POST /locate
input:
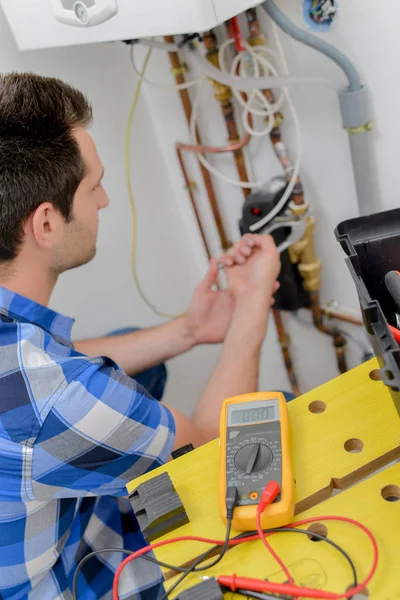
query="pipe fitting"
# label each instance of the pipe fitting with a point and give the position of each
(222, 92)
(311, 275)
(303, 254)
(299, 209)
(355, 109)
(256, 41)
(278, 120)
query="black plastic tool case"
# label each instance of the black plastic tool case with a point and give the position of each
(372, 244)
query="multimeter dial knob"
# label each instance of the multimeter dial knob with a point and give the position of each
(253, 458)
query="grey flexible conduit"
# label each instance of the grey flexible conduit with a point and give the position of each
(315, 42)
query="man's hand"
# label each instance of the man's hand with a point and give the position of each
(210, 310)
(257, 270)
(251, 272)
(250, 264)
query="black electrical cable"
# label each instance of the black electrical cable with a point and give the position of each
(84, 561)
(313, 534)
(119, 551)
(231, 500)
(187, 570)
(193, 569)
(199, 560)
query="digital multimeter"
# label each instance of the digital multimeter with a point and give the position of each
(255, 449)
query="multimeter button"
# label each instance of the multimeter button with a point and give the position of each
(253, 458)
(233, 434)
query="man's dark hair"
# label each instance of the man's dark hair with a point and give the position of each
(40, 160)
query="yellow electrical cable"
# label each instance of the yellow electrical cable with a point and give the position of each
(130, 193)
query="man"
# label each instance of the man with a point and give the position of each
(73, 429)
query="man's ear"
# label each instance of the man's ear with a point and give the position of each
(44, 225)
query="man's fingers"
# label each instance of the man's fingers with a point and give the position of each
(267, 242)
(244, 249)
(225, 261)
(238, 258)
(253, 240)
(211, 276)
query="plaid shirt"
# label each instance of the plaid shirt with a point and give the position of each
(73, 431)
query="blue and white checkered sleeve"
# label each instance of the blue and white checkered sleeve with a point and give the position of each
(103, 431)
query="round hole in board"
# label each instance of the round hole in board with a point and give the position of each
(353, 445)
(376, 375)
(317, 407)
(319, 529)
(389, 375)
(391, 493)
(360, 596)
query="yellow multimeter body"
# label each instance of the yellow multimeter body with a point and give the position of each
(255, 449)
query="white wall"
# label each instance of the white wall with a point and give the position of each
(102, 296)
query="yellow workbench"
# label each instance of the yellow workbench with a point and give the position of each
(345, 437)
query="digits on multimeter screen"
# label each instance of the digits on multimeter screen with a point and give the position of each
(253, 415)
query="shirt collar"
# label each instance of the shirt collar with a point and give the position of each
(24, 309)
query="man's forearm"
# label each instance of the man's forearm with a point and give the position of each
(238, 366)
(140, 350)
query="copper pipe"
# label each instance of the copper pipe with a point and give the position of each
(301, 253)
(283, 337)
(200, 149)
(223, 95)
(340, 347)
(178, 70)
(189, 187)
(332, 314)
(284, 341)
(203, 149)
(338, 340)
(256, 39)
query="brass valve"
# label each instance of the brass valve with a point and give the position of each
(256, 40)
(222, 92)
(303, 254)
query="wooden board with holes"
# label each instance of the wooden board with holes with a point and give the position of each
(349, 413)
(356, 413)
(315, 564)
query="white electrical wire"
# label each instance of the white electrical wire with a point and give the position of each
(256, 103)
(281, 52)
(292, 183)
(173, 86)
(245, 83)
(289, 190)
(263, 108)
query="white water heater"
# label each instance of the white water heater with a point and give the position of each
(52, 23)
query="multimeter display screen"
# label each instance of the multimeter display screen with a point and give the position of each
(253, 412)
